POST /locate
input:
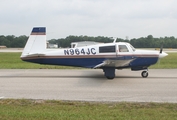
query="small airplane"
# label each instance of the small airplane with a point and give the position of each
(107, 56)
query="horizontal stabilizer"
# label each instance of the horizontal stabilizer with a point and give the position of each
(36, 54)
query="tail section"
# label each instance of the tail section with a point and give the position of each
(36, 43)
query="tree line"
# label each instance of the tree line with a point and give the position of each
(143, 42)
(12, 41)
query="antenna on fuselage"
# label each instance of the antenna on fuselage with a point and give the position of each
(115, 40)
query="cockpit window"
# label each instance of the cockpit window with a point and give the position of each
(107, 49)
(123, 48)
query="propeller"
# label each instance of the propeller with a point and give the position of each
(161, 48)
(162, 54)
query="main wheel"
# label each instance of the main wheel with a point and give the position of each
(144, 74)
(109, 73)
(110, 77)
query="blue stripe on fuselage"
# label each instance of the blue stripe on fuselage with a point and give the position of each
(78, 62)
(92, 62)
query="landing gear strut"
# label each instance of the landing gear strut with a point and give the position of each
(144, 74)
(109, 73)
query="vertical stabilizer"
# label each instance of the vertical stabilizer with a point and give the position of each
(36, 43)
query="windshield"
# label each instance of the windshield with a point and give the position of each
(132, 47)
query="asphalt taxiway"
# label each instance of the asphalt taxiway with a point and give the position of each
(89, 85)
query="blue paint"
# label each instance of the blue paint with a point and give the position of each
(144, 61)
(138, 63)
(39, 30)
(78, 62)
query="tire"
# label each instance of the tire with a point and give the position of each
(144, 74)
(108, 77)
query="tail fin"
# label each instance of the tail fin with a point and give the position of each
(36, 43)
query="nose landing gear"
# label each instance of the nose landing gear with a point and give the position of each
(144, 74)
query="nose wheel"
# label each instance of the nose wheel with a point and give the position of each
(144, 74)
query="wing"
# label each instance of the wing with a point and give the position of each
(114, 63)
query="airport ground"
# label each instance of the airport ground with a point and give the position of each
(89, 85)
(128, 96)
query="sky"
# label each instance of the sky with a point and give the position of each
(109, 18)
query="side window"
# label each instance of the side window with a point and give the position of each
(107, 49)
(123, 48)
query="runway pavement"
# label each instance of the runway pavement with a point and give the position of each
(89, 85)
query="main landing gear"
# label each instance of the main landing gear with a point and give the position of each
(144, 74)
(109, 73)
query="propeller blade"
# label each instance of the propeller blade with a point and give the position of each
(161, 48)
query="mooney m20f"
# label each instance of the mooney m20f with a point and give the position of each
(108, 56)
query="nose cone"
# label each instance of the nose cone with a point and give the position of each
(163, 54)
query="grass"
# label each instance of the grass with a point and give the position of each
(167, 62)
(13, 61)
(22, 109)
